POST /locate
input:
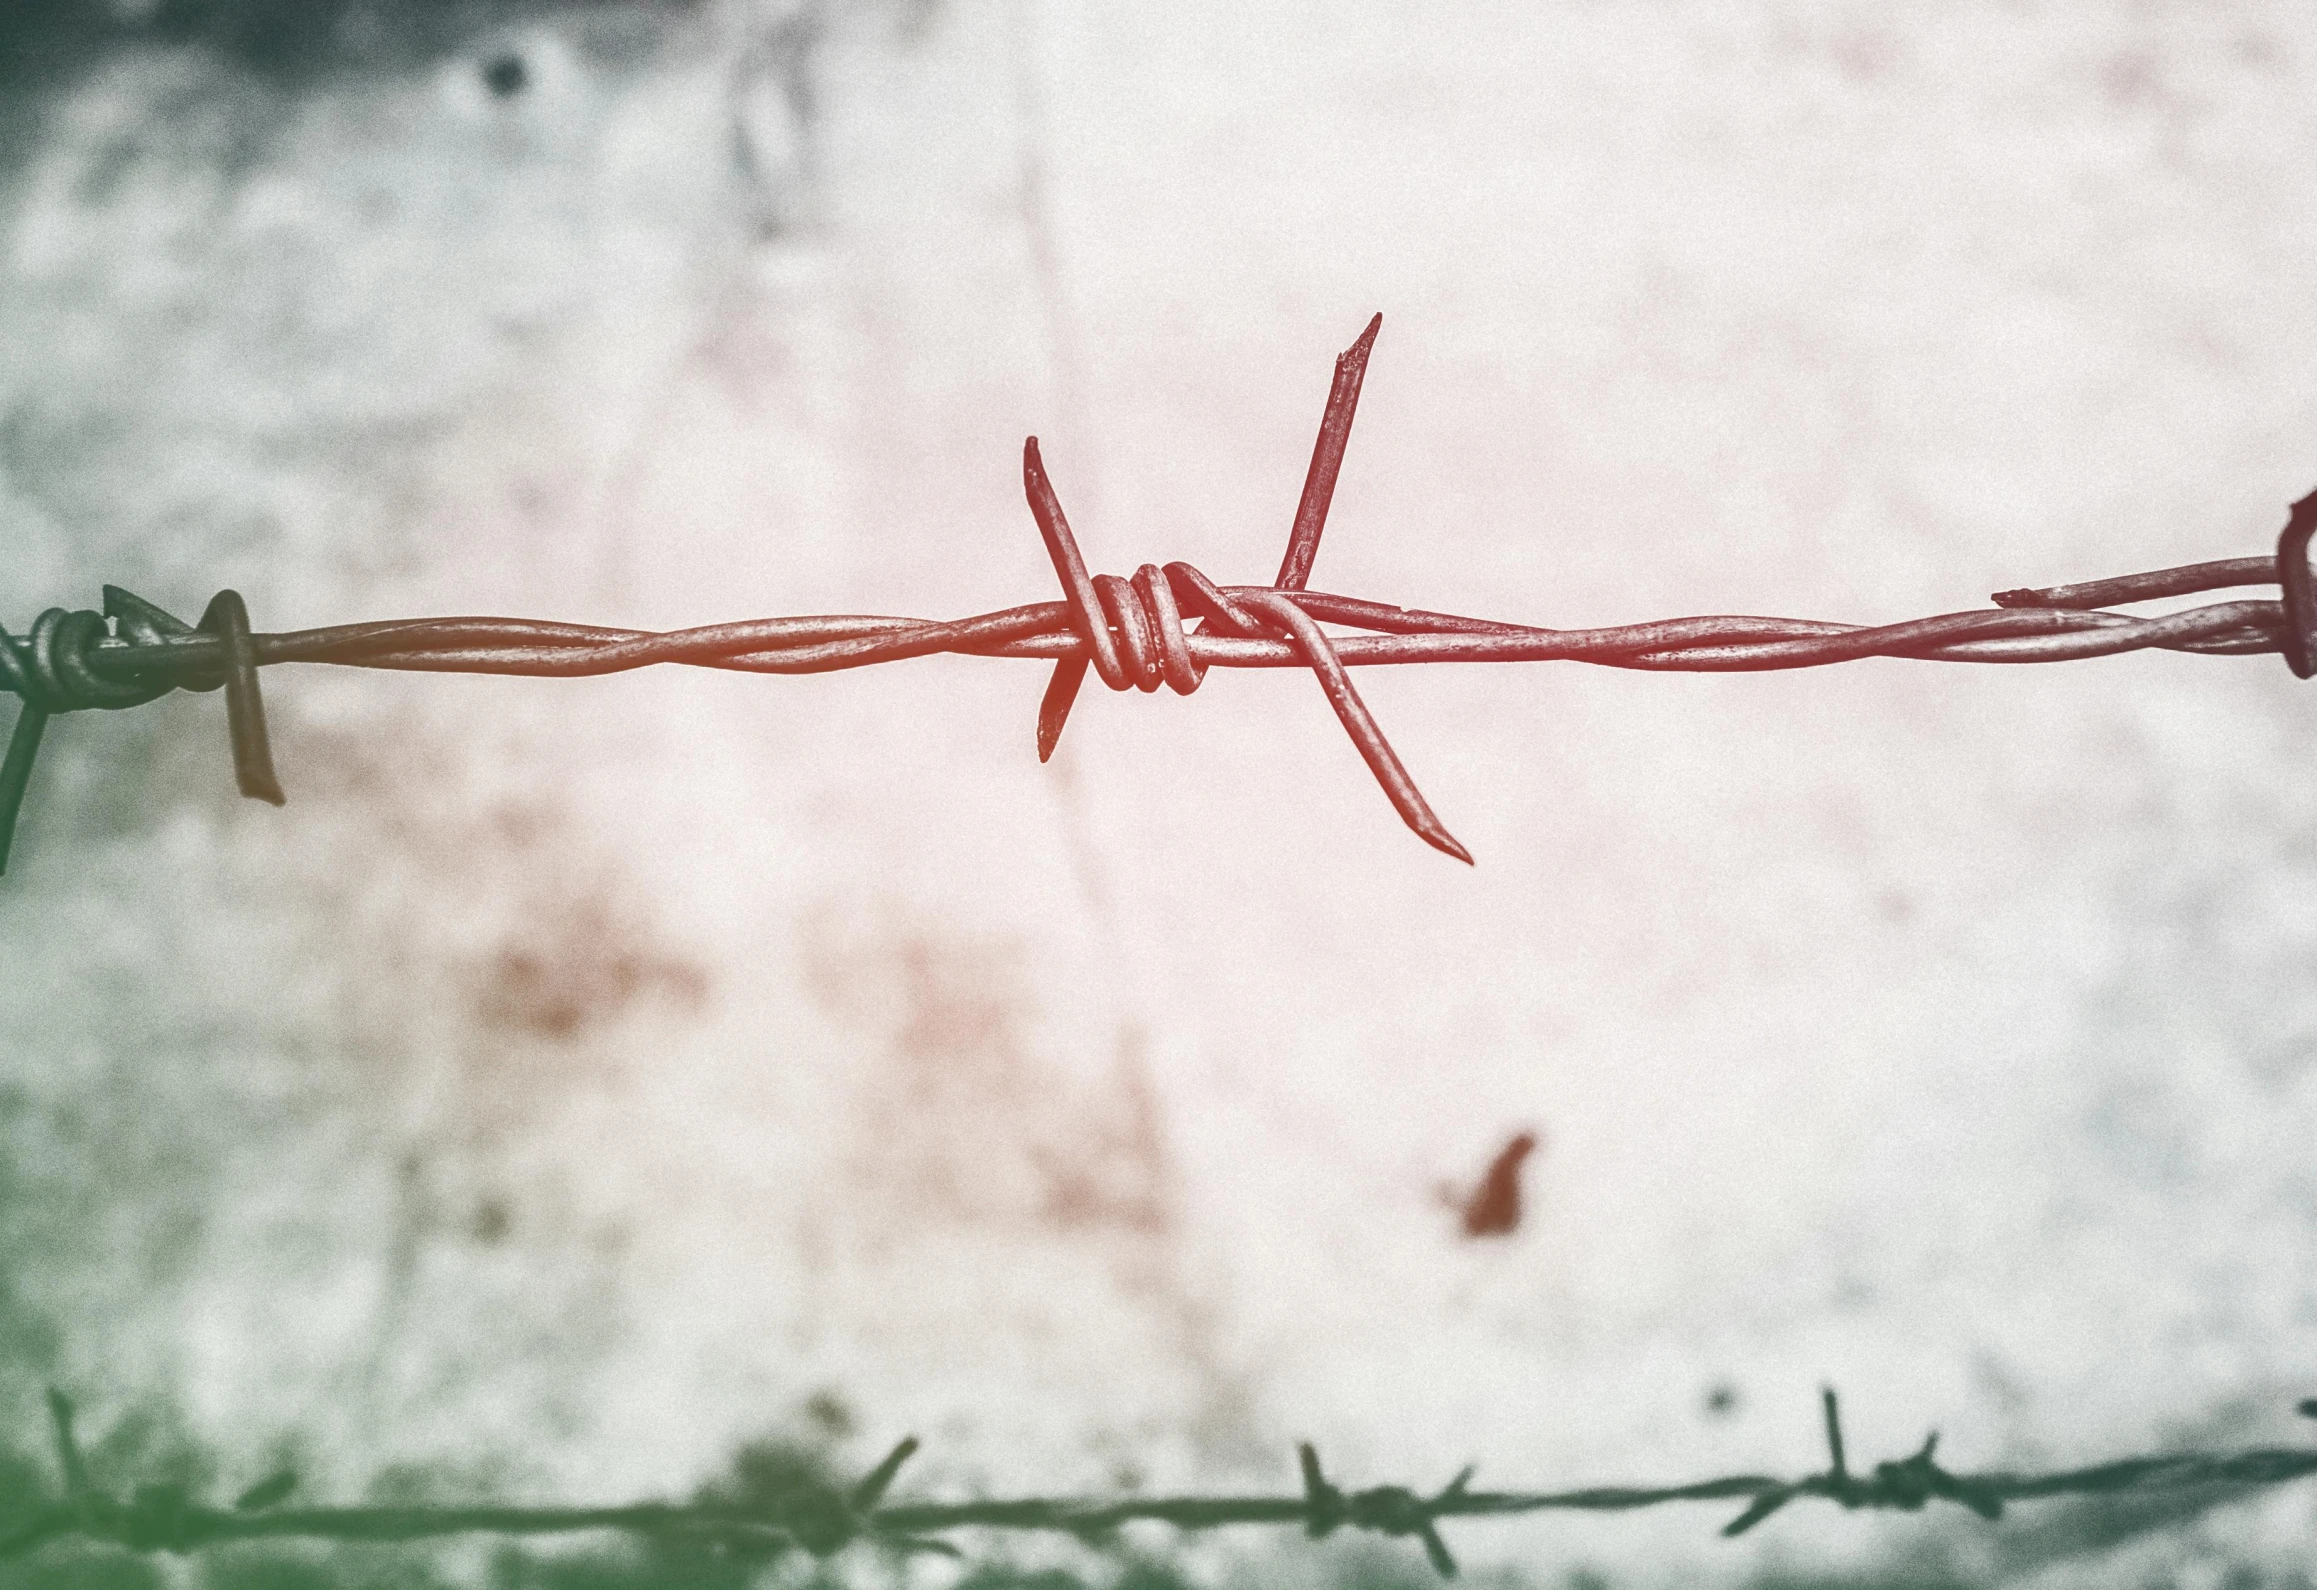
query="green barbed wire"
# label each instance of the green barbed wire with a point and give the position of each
(822, 1519)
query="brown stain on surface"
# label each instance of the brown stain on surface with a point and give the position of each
(556, 943)
(560, 976)
(1493, 1208)
(963, 1121)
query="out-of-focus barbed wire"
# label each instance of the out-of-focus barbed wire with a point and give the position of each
(1133, 633)
(823, 1519)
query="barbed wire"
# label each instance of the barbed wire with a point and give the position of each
(823, 1519)
(1132, 633)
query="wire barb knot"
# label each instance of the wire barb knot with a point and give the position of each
(824, 1520)
(50, 671)
(1385, 1509)
(1908, 1483)
(154, 1518)
(1131, 631)
(1903, 1484)
(159, 1518)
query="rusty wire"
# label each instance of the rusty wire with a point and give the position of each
(823, 1519)
(1133, 634)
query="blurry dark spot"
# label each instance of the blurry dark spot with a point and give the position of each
(2136, 1122)
(1993, 1377)
(2258, 49)
(576, 971)
(506, 76)
(1722, 1400)
(169, 1238)
(917, 20)
(829, 1414)
(521, 997)
(1864, 54)
(491, 1221)
(105, 171)
(768, 1472)
(435, 1484)
(266, 1492)
(2132, 79)
(963, 1119)
(1895, 905)
(521, 825)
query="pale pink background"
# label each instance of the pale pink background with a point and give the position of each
(577, 1077)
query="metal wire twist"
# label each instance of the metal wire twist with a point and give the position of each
(1134, 634)
(823, 1519)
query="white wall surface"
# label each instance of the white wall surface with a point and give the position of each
(576, 1077)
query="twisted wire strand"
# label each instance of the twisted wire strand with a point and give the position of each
(823, 1519)
(1133, 634)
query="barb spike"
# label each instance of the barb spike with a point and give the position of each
(143, 623)
(1839, 1483)
(16, 768)
(871, 1490)
(253, 761)
(1054, 710)
(68, 1458)
(1436, 1549)
(1759, 1508)
(1336, 680)
(1323, 1504)
(1327, 459)
(265, 1493)
(1070, 568)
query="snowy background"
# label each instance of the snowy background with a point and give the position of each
(577, 1082)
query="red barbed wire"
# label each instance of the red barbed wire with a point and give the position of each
(1133, 633)
(823, 1519)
